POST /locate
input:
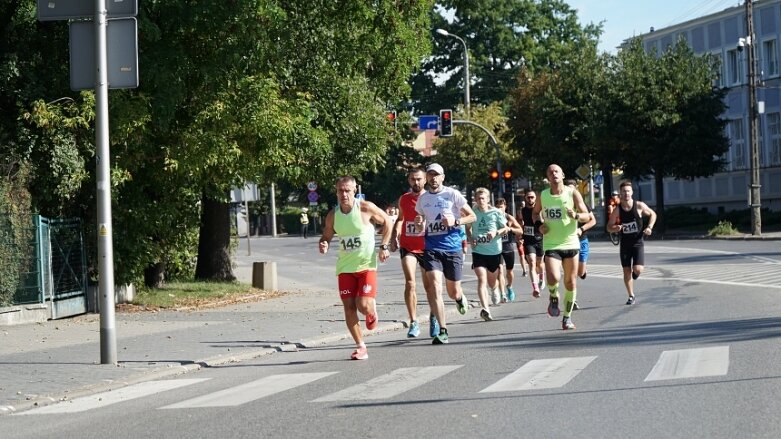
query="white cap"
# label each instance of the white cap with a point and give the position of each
(435, 167)
(304, 210)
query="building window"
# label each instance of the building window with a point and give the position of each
(774, 130)
(734, 67)
(770, 57)
(718, 70)
(738, 144)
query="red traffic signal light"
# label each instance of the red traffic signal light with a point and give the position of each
(391, 116)
(445, 123)
(494, 174)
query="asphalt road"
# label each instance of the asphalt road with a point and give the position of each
(696, 356)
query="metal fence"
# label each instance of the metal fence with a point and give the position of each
(51, 263)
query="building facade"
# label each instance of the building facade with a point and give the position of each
(719, 34)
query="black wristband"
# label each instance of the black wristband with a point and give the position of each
(537, 223)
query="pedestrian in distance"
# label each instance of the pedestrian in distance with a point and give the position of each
(410, 243)
(508, 249)
(304, 219)
(614, 201)
(583, 237)
(441, 210)
(627, 220)
(532, 243)
(356, 267)
(485, 236)
(519, 240)
(558, 214)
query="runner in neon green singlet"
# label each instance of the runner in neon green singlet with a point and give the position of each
(562, 229)
(356, 266)
(557, 215)
(356, 241)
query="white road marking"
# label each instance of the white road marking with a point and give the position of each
(691, 363)
(541, 374)
(739, 275)
(391, 384)
(251, 391)
(104, 399)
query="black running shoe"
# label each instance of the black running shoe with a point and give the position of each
(553, 307)
(630, 300)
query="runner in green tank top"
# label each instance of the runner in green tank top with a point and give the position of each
(558, 213)
(356, 267)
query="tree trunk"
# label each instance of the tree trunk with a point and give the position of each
(659, 208)
(214, 258)
(154, 275)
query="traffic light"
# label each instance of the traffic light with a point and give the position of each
(392, 118)
(494, 175)
(508, 181)
(445, 123)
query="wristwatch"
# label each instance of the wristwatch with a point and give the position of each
(384, 247)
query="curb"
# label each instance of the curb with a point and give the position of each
(181, 369)
(170, 370)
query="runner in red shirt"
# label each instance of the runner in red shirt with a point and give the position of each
(410, 243)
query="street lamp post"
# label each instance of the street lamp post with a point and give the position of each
(466, 68)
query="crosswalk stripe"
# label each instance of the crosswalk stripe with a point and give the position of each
(391, 384)
(251, 391)
(541, 374)
(690, 363)
(741, 275)
(103, 399)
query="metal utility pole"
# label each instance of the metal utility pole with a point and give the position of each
(753, 123)
(108, 336)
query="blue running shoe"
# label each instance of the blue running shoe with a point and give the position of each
(414, 330)
(433, 326)
(510, 294)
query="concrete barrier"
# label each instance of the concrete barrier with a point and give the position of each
(264, 275)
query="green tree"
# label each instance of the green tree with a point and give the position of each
(501, 36)
(643, 113)
(668, 116)
(254, 90)
(560, 115)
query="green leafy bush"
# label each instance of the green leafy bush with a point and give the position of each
(723, 228)
(15, 233)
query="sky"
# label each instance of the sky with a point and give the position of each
(626, 18)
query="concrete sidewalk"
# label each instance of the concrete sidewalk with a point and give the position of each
(60, 359)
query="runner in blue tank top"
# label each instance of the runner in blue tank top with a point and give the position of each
(441, 210)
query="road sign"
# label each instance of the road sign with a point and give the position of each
(312, 186)
(599, 179)
(52, 10)
(582, 172)
(428, 122)
(312, 197)
(121, 54)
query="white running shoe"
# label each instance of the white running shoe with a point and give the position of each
(495, 297)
